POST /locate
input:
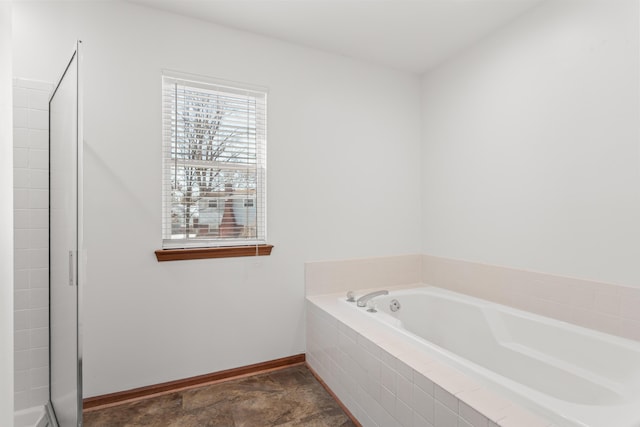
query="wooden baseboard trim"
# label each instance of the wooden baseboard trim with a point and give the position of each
(326, 387)
(97, 402)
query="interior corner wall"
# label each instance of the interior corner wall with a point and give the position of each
(531, 147)
(343, 158)
(6, 216)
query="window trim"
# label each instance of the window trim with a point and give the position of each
(212, 252)
(178, 249)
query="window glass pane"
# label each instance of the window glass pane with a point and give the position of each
(214, 143)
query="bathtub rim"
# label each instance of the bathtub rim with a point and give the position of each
(492, 404)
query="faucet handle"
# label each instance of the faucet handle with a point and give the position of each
(371, 306)
(351, 296)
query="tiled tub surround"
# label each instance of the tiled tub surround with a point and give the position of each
(386, 379)
(31, 202)
(561, 371)
(382, 379)
(610, 308)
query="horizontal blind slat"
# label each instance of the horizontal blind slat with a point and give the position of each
(214, 180)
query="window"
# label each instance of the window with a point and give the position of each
(214, 155)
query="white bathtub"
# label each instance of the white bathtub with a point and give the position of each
(571, 375)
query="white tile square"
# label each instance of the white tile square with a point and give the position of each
(39, 396)
(21, 381)
(404, 370)
(39, 377)
(20, 320)
(419, 421)
(404, 389)
(38, 99)
(21, 218)
(404, 414)
(21, 239)
(21, 198)
(38, 159)
(20, 97)
(39, 278)
(21, 339)
(368, 403)
(446, 398)
(21, 279)
(388, 400)
(38, 298)
(39, 318)
(39, 337)
(463, 423)
(33, 84)
(423, 403)
(373, 386)
(473, 417)
(39, 357)
(38, 119)
(38, 258)
(38, 238)
(21, 400)
(21, 138)
(21, 300)
(630, 307)
(38, 138)
(39, 179)
(21, 259)
(38, 218)
(38, 199)
(444, 417)
(388, 377)
(423, 382)
(21, 178)
(608, 303)
(20, 118)
(21, 360)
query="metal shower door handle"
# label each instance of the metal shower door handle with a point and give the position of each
(70, 268)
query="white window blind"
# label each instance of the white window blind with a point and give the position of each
(214, 171)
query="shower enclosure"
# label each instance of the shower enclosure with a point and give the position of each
(64, 408)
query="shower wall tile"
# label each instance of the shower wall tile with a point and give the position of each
(38, 138)
(21, 138)
(31, 202)
(38, 100)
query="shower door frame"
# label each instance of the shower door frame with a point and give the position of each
(78, 265)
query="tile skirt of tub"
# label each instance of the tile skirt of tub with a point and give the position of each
(384, 385)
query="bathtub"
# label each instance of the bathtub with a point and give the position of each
(570, 375)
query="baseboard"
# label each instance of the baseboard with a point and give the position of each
(98, 402)
(326, 387)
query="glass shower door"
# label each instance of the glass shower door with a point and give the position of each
(64, 226)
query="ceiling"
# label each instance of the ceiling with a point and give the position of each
(410, 35)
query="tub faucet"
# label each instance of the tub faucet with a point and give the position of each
(362, 301)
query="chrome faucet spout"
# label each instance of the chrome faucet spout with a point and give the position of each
(362, 301)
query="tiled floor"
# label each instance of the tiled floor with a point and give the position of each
(288, 397)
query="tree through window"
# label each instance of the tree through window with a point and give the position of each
(214, 141)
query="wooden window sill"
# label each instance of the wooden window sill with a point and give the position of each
(218, 252)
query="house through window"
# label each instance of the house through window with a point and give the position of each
(214, 172)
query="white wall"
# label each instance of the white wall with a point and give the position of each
(148, 322)
(531, 145)
(6, 216)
